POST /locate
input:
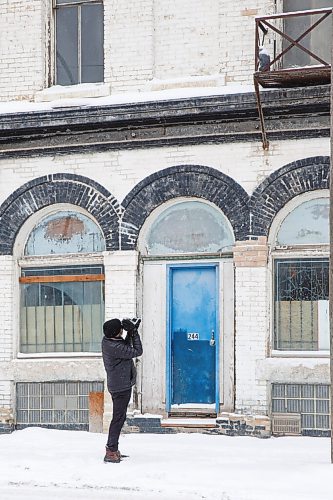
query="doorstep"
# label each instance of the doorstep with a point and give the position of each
(203, 423)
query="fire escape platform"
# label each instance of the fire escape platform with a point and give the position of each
(294, 77)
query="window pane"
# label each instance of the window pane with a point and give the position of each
(65, 232)
(67, 46)
(188, 227)
(301, 305)
(314, 41)
(307, 224)
(62, 271)
(62, 317)
(92, 36)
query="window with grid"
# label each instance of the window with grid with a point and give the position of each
(54, 404)
(62, 309)
(301, 305)
(79, 41)
(311, 401)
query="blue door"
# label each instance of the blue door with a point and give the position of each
(193, 334)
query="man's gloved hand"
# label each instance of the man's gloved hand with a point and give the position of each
(128, 325)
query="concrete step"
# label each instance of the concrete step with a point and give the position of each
(202, 423)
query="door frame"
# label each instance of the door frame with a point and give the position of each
(169, 269)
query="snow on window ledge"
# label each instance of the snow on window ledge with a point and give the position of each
(300, 354)
(215, 80)
(59, 92)
(57, 355)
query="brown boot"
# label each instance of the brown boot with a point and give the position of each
(112, 456)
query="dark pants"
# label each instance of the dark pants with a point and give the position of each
(120, 403)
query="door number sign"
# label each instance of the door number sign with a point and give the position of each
(192, 336)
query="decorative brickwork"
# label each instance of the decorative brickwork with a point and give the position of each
(284, 184)
(181, 181)
(251, 253)
(58, 188)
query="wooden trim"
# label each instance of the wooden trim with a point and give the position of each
(62, 279)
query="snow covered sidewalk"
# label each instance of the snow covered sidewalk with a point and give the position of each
(49, 464)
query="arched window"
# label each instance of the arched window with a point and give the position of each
(307, 224)
(301, 278)
(189, 227)
(65, 232)
(62, 306)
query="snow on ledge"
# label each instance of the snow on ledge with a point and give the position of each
(116, 99)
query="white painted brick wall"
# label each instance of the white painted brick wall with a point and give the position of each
(120, 284)
(145, 40)
(251, 320)
(22, 48)
(120, 171)
(5, 394)
(128, 43)
(6, 301)
(186, 38)
(237, 37)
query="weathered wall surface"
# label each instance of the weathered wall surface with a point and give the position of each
(149, 44)
(120, 171)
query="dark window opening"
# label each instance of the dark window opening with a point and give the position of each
(79, 41)
(301, 305)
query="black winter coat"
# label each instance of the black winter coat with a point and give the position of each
(118, 357)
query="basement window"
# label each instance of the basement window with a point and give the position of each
(79, 40)
(310, 401)
(62, 404)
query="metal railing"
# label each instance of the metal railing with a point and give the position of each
(271, 70)
(264, 25)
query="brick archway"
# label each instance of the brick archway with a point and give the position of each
(59, 188)
(298, 177)
(181, 181)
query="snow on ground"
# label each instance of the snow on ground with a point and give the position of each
(49, 464)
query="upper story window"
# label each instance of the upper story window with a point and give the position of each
(317, 40)
(189, 227)
(301, 319)
(79, 41)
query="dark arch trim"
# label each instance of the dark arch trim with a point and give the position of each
(298, 177)
(59, 188)
(181, 181)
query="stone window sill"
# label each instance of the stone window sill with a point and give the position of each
(83, 90)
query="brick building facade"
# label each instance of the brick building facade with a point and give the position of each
(170, 133)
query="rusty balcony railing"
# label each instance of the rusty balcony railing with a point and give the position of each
(292, 49)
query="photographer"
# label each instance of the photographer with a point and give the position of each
(118, 354)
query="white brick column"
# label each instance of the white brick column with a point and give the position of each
(120, 284)
(6, 301)
(251, 309)
(6, 340)
(120, 299)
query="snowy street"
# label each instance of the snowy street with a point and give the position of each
(48, 464)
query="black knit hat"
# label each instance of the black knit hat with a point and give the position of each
(112, 327)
